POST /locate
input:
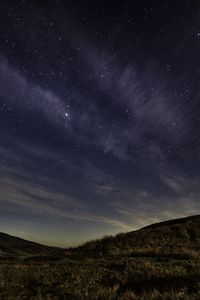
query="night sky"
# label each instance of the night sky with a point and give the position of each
(99, 116)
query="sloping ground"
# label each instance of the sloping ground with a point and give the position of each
(11, 246)
(180, 237)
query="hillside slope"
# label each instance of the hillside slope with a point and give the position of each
(179, 237)
(11, 247)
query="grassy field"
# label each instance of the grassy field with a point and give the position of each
(157, 262)
(120, 278)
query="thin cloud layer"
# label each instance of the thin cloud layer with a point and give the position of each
(100, 127)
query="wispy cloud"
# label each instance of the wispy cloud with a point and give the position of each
(19, 92)
(30, 198)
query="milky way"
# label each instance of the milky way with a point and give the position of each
(99, 117)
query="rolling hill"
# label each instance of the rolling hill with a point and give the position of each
(177, 237)
(174, 237)
(13, 247)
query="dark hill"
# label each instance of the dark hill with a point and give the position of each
(12, 247)
(179, 237)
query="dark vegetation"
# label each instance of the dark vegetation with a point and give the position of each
(160, 261)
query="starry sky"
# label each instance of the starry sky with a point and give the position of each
(99, 116)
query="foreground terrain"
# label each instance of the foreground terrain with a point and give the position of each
(161, 261)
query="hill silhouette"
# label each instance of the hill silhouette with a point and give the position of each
(177, 237)
(161, 238)
(14, 247)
